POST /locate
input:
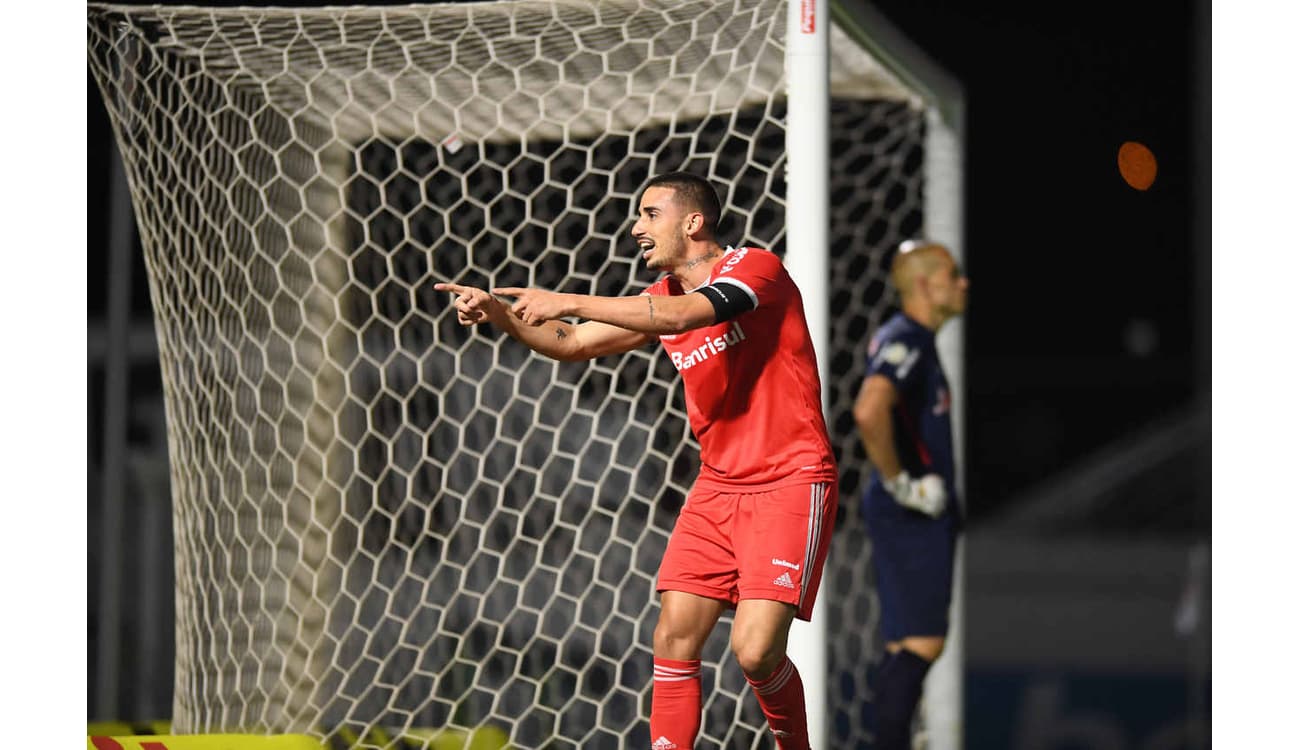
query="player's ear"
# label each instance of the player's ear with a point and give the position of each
(921, 284)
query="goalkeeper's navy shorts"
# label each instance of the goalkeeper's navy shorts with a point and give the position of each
(913, 558)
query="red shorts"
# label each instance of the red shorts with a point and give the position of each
(769, 544)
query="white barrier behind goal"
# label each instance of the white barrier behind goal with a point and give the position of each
(383, 519)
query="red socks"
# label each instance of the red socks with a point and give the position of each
(675, 704)
(781, 698)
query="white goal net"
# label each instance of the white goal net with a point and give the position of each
(388, 525)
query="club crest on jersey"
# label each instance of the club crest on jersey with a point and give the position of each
(895, 353)
(686, 360)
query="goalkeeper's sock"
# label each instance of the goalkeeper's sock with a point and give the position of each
(675, 704)
(780, 695)
(898, 690)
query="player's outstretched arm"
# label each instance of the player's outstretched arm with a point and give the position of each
(647, 314)
(556, 339)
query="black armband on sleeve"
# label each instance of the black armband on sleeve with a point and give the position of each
(728, 300)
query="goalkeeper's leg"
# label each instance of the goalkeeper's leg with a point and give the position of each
(913, 560)
(898, 689)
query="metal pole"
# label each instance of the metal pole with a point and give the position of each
(945, 222)
(116, 394)
(807, 249)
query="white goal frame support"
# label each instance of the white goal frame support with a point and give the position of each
(807, 249)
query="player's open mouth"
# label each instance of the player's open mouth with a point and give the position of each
(646, 248)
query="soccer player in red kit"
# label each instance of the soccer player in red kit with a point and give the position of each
(754, 530)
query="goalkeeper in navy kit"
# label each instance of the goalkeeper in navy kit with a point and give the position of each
(910, 506)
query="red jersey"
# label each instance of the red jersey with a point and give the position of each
(753, 394)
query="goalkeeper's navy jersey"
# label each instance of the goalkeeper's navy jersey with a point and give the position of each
(904, 351)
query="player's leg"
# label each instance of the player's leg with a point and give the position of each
(685, 621)
(759, 636)
(782, 538)
(758, 639)
(898, 686)
(928, 647)
(697, 581)
(913, 560)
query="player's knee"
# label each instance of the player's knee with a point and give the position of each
(926, 647)
(757, 658)
(675, 641)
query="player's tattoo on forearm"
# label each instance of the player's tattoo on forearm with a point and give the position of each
(560, 333)
(651, 301)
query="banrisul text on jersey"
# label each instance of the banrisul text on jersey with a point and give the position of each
(686, 360)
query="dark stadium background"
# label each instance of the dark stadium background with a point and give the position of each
(1089, 311)
(1088, 332)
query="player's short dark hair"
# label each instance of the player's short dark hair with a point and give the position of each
(695, 192)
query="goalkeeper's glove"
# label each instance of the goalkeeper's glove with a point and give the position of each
(925, 494)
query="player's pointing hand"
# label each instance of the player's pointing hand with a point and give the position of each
(535, 306)
(472, 305)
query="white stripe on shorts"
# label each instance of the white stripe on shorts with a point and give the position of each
(816, 496)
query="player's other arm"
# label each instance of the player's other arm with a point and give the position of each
(748, 277)
(650, 315)
(872, 411)
(556, 339)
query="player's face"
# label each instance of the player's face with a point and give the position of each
(947, 286)
(660, 229)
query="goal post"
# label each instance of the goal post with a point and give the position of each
(807, 259)
(385, 521)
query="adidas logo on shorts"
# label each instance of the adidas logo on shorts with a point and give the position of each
(663, 743)
(784, 581)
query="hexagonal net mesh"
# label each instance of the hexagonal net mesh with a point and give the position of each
(384, 520)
